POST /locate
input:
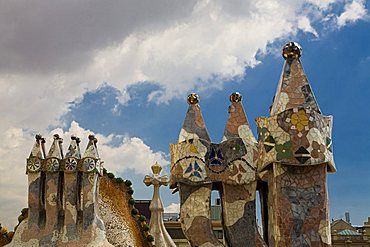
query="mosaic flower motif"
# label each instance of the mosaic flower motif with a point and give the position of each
(71, 164)
(216, 157)
(89, 164)
(33, 165)
(284, 151)
(299, 120)
(194, 170)
(52, 165)
(318, 150)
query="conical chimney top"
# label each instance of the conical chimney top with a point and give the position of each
(193, 126)
(37, 149)
(294, 90)
(237, 124)
(91, 149)
(55, 149)
(74, 148)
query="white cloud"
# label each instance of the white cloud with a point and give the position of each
(54, 52)
(353, 12)
(323, 5)
(128, 153)
(172, 208)
(305, 25)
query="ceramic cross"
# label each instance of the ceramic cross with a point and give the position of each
(157, 229)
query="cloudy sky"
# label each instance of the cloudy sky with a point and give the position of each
(123, 69)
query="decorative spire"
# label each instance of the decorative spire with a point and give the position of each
(91, 149)
(294, 90)
(37, 149)
(74, 148)
(193, 127)
(237, 124)
(55, 154)
(37, 154)
(91, 156)
(55, 149)
(73, 154)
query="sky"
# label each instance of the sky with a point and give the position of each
(123, 69)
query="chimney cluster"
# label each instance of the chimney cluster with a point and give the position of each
(62, 192)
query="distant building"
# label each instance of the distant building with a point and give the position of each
(343, 234)
(171, 217)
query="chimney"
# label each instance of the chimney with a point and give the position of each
(348, 219)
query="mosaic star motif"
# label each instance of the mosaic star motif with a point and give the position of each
(89, 164)
(194, 170)
(52, 165)
(33, 165)
(71, 164)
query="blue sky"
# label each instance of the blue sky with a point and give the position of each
(79, 73)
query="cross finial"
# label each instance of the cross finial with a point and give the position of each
(156, 178)
(157, 228)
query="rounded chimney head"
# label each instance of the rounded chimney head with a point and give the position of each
(193, 99)
(292, 50)
(235, 97)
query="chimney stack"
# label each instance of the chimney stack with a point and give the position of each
(348, 219)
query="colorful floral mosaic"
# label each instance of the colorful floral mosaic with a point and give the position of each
(287, 136)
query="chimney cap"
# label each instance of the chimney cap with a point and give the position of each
(193, 99)
(235, 97)
(292, 50)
